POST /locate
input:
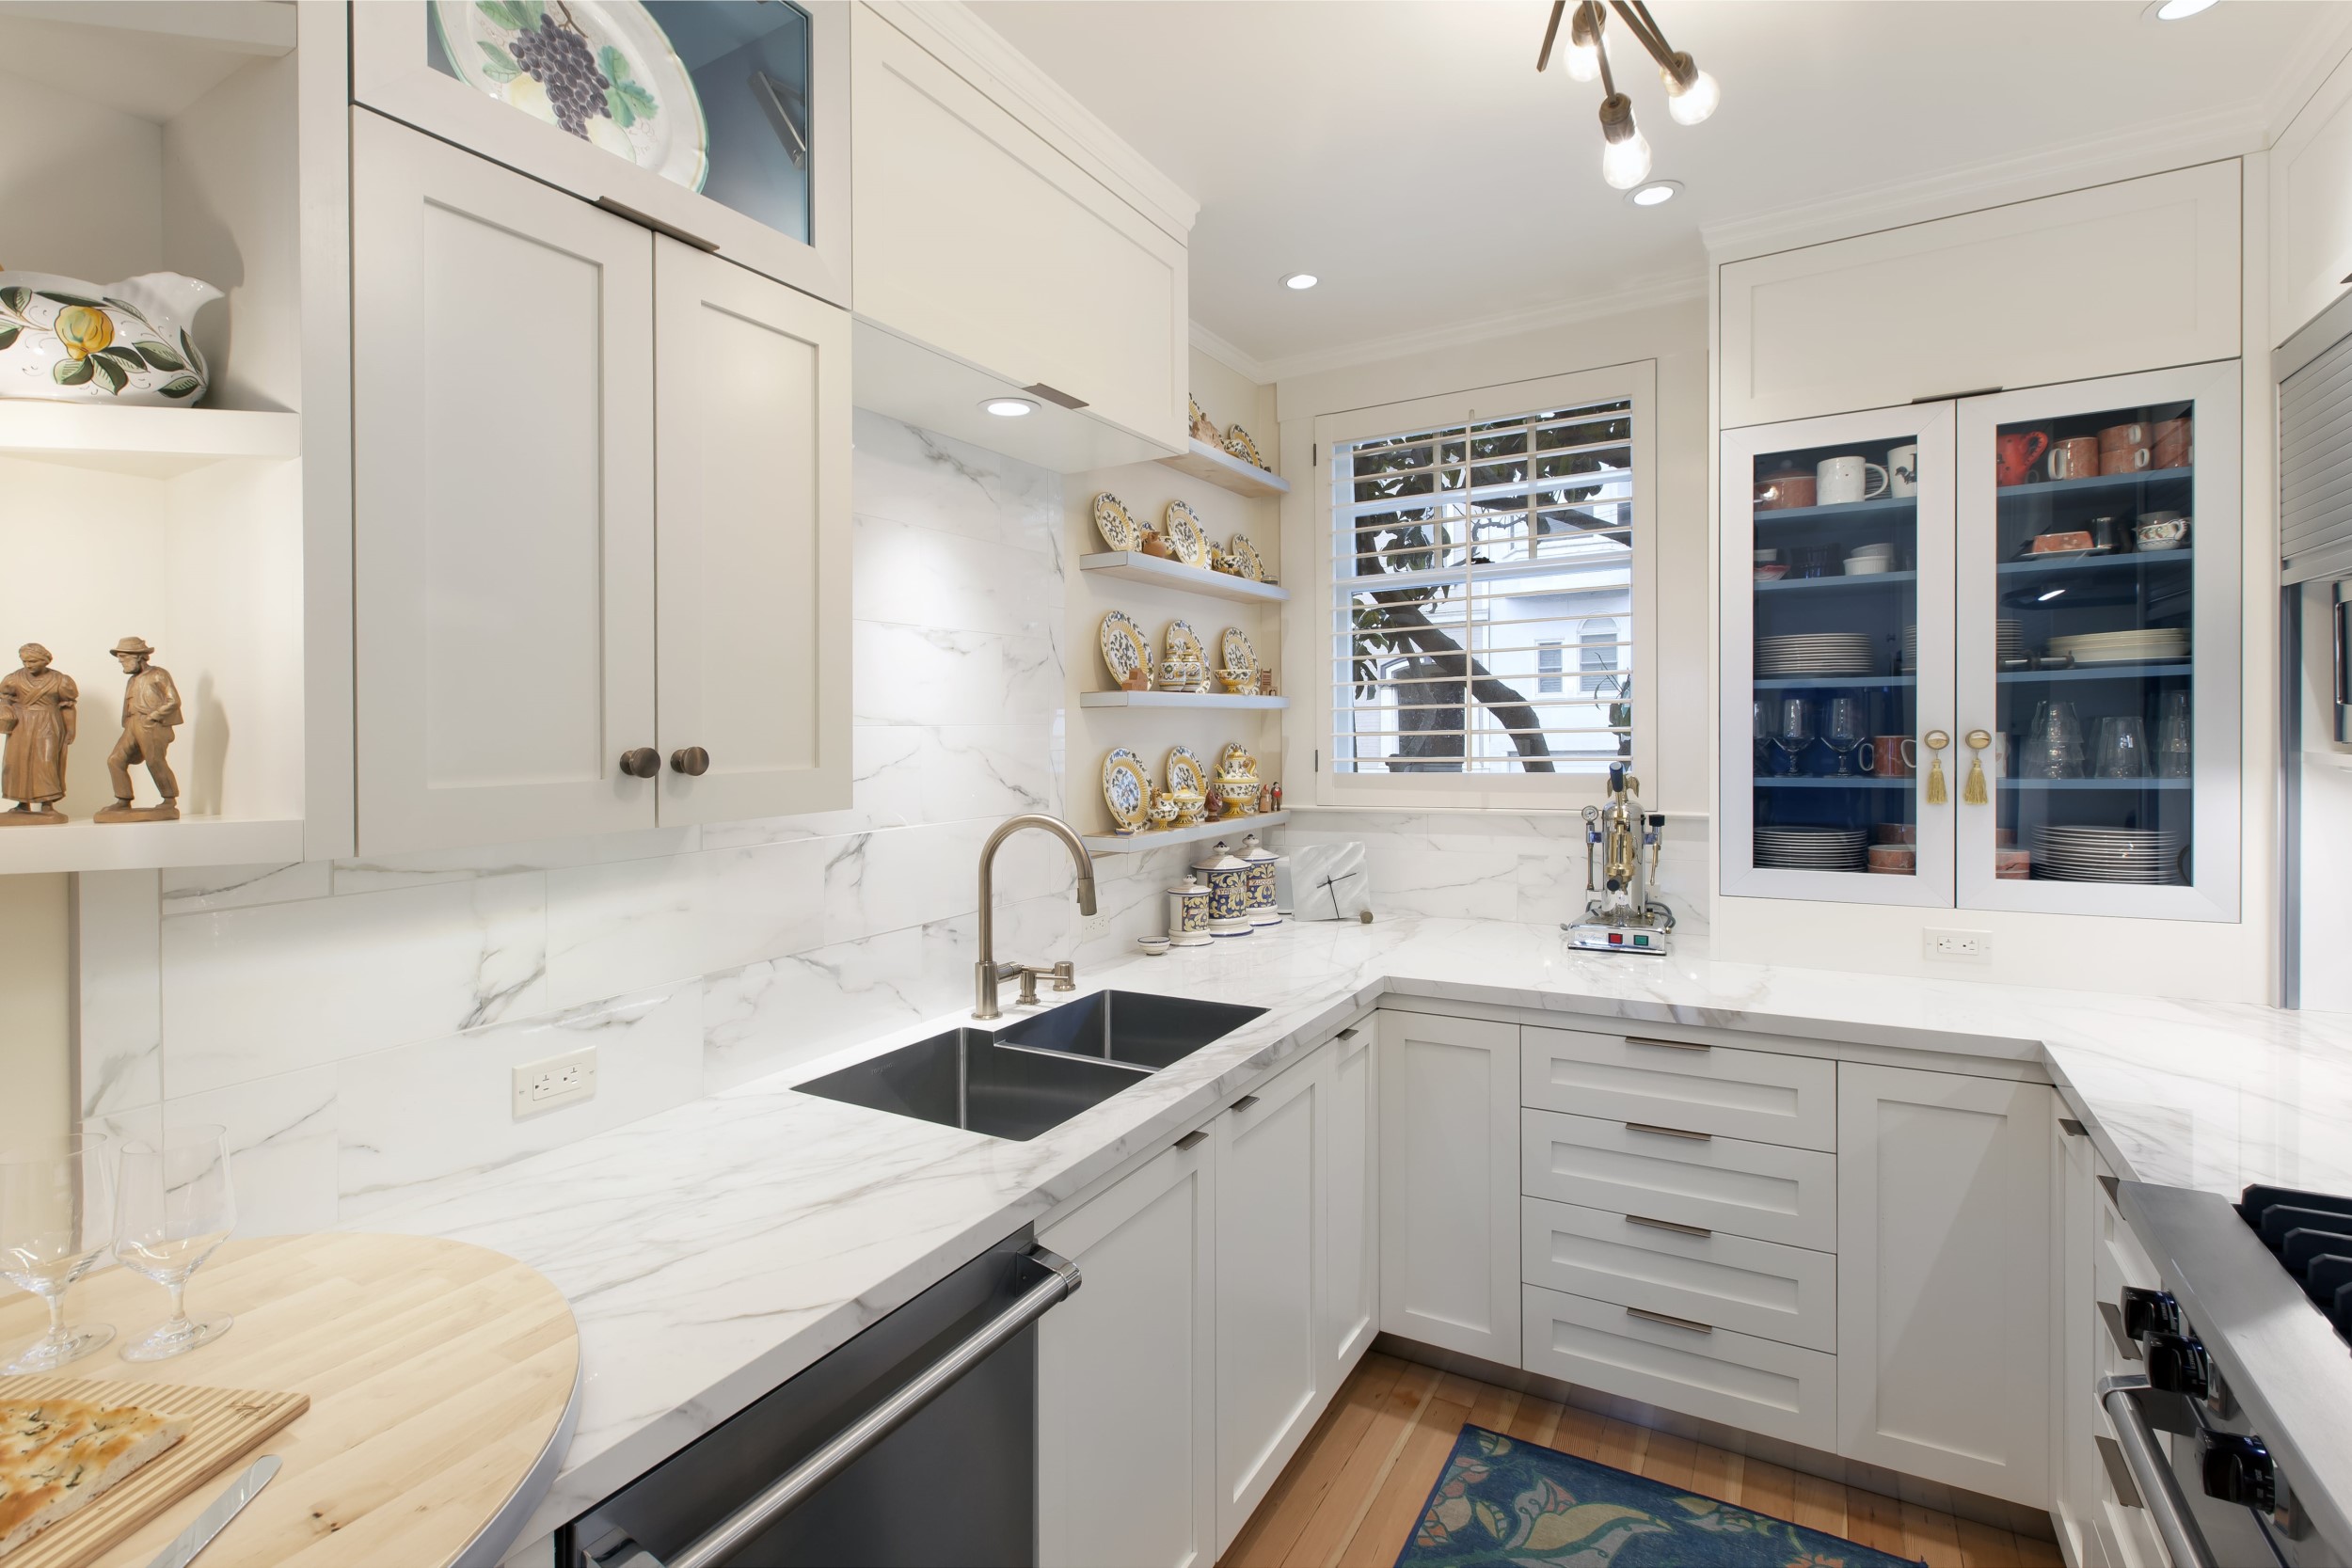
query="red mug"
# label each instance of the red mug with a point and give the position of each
(2077, 457)
(2015, 452)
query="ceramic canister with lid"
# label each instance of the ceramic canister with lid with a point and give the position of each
(1262, 862)
(1229, 892)
(1188, 913)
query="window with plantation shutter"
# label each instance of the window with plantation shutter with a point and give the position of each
(1466, 562)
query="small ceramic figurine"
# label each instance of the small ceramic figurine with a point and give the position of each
(37, 715)
(151, 711)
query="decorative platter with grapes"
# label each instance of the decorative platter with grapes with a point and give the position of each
(601, 70)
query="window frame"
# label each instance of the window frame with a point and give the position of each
(1636, 382)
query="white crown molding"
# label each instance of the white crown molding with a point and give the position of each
(1671, 288)
(2224, 132)
(969, 46)
(2317, 58)
(1240, 361)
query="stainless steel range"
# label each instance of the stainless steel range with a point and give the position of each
(2239, 1436)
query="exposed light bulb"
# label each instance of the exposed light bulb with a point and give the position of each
(1583, 56)
(1690, 102)
(1626, 163)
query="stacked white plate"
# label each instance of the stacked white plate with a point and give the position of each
(1813, 848)
(2086, 854)
(1828, 653)
(2008, 638)
(2124, 648)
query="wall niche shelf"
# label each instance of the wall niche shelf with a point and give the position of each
(1136, 567)
(85, 845)
(1178, 698)
(1226, 471)
(149, 442)
(1232, 828)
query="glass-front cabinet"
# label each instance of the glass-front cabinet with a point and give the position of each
(1985, 653)
(724, 123)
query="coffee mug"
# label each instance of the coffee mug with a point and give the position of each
(2138, 434)
(2161, 530)
(2014, 454)
(1894, 757)
(2126, 460)
(2076, 457)
(1902, 470)
(2170, 446)
(1781, 491)
(1842, 480)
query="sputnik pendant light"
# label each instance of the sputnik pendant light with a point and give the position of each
(1692, 94)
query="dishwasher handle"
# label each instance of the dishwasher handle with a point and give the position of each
(781, 1496)
(2159, 1488)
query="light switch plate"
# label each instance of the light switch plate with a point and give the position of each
(553, 1081)
(1967, 947)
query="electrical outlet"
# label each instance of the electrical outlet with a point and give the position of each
(553, 1081)
(1960, 947)
(1092, 927)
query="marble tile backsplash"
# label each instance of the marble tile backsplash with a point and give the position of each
(354, 1022)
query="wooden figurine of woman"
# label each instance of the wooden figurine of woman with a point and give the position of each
(37, 714)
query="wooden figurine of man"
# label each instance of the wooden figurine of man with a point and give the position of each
(37, 714)
(151, 711)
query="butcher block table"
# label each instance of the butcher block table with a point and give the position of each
(443, 1379)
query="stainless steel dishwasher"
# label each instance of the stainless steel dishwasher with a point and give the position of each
(913, 1446)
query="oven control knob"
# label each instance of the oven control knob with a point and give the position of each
(2179, 1364)
(2238, 1471)
(2147, 1312)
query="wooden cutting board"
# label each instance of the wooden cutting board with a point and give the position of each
(223, 1424)
(438, 1375)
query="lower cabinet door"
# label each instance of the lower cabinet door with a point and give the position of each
(1450, 1182)
(1737, 1379)
(1272, 1378)
(1351, 1248)
(1126, 1440)
(1944, 1332)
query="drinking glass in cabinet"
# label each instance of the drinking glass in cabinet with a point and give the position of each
(2094, 650)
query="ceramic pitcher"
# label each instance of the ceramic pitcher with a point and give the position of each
(64, 341)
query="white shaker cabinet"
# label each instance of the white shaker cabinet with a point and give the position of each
(503, 502)
(1944, 1328)
(1126, 1413)
(1351, 1249)
(1450, 1183)
(2310, 208)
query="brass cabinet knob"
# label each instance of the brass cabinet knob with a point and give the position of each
(1935, 740)
(1979, 739)
(693, 761)
(640, 762)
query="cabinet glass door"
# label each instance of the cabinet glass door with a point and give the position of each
(1837, 625)
(2098, 647)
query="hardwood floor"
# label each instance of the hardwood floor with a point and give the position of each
(1354, 1490)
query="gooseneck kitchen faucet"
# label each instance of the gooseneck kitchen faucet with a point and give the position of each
(988, 971)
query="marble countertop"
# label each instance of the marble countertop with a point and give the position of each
(713, 1250)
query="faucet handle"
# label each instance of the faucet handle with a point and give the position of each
(1065, 976)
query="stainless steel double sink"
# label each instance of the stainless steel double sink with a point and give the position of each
(1039, 1071)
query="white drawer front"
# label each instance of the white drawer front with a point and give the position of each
(1762, 1288)
(1755, 1385)
(1766, 1191)
(1740, 1094)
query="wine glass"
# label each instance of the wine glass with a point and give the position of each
(2174, 759)
(1794, 732)
(57, 1214)
(176, 1207)
(1848, 727)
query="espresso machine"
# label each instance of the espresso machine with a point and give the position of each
(1621, 847)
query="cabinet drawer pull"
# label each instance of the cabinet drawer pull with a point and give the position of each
(1347, 1034)
(2071, 1128)
(1668, 1045)
(1669, 1319)
(1669, 1132)
(2112, 1316)
(1674, 1226)
(1054, 394)
(1193, 1139)
(647, 221)
(1245, 1102)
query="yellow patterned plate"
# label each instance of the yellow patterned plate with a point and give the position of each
(1127, 790)
(1238, 654)
(1184, 773)
(1238, 444)
(1181, 642)
(1245, 553)
(1118, 530)
(1186, 533)
(1124, 651)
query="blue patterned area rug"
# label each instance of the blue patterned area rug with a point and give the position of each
(1502, 1503)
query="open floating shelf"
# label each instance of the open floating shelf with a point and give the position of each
(1177, 698)
(86, 846)
(1867, 580)
(1230, 828)
(1136, 567)
(160, 443)
(1226, 471)
(2092, 484)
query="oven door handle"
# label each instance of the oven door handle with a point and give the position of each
(781, 1496)
(2159, 1488)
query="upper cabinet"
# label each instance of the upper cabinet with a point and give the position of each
(2123, 277)
(991, 261)
(2310, 208)
(724, 123)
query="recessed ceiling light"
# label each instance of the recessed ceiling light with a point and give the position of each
(2175, 10)
(1008, 408)
(1301, 281)
(1657, 193)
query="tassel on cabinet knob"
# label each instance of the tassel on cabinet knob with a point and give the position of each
(1976, 794)
(1935, 740)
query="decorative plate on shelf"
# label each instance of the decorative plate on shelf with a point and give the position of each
(1244, 555)
(1238, 654)
(1118, 530)
(1126, 789)
(1183, 531)
(1185, 774)
(1181, 641)
(1124, 651)
(601, 70)
(1238, 444)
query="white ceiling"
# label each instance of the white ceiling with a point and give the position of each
(1408, 152)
